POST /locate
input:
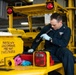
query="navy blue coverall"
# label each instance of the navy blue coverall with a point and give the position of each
(57, 47)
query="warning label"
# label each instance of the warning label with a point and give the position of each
(8, 47)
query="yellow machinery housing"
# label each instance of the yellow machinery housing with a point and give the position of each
(16, 44)
(30, 70)
(10, 46)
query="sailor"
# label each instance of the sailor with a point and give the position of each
(56, 36)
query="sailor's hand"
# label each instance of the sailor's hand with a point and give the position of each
(45, 37)
(30, 50)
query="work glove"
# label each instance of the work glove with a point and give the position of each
(30, 50)
(45, 37)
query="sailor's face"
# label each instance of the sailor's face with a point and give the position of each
(55, 24)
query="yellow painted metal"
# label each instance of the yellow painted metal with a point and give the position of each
(28, 38)
(32, 10)
(10, 20)
(28, 70)
(75, 69)
(30, 35)
(75, 55)
(16, 31)
(37, 10)
(10, 46)
(70, 16)
(33, 70)
(30, 23)
(9, 61)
